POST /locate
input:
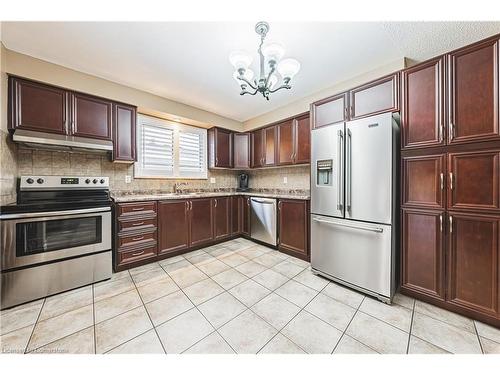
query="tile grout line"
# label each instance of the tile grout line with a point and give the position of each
(34, 326)
(347, 327)
(478, 337)
(411, 327)
(93, 317)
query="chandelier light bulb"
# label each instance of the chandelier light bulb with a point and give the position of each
(273, 51)
(240, 59)
(288, 68)
(248, 75)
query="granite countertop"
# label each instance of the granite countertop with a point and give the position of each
(135, 196)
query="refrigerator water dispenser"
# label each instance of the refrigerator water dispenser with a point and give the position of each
(324, 172)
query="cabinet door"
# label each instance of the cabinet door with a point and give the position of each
(91, 116)
(38, 107)
(424, 180)
(473, 93)
(294, 227)
(173, 225)
(473, 180)
(245, 216)
(124, 121)
(236, 207)
(302, 140)
(423, 252)
(473, 262)
(257, 148)
(223, 148)
(241, 150)
(285, 144)
(269, 146)
(375, 97)
(201, 227)
(422, 105)
(329, 111)
(222, 217)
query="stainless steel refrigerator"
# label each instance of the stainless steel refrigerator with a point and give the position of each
(354, 213)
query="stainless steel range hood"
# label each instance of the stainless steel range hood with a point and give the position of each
(60, 142)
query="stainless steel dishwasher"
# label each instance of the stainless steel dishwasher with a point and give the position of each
(263, 219)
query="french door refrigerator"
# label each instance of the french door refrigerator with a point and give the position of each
(354, 215)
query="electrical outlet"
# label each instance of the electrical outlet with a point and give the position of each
(212, 180)
(128, 179)
(285, 180)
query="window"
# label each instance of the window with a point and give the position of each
(168, 149)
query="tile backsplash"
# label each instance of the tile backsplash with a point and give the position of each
(297, 178)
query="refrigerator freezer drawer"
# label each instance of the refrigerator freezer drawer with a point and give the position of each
(353, 252)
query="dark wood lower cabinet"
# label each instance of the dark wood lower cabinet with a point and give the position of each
(293, 223)
(245, 216)
(173, 226)
(236, 207)
(222, 217)
(201, 228)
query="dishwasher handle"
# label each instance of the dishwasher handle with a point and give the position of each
(263, 201)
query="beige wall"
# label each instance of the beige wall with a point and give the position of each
(302, 105)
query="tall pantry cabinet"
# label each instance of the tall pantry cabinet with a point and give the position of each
(450, 181)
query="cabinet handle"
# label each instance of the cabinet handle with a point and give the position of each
(451, 224)
(451, 181)
(441, 223)
(138, 238)
(137, 254)
(442, 180)
(137, 224)
(441, 132)
(216, 161)
(279, 205)
(191, 205)
(248, 201)
(452, 130)
(137, 208)
(215, 202)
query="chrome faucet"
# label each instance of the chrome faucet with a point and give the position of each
(177, 187)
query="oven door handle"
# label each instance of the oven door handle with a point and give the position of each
(54, 213)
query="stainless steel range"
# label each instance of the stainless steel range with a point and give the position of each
(57, 237)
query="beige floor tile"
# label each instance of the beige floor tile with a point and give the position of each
(348, 345)
(268, 260)
(343, 294)
(490, 346)
(177, 266)
(250, 269)
(234, 246)
(149, 276)
(331, 311)
(187, 276)
(398, 316)
(20, 316)
(247, 333)
(212, 248)
(312, 334)
(203, 291)
(276, 310)
(168, 307)
(108, 289)
(446, 316)
(81, 342)
(15, 342)
(212, 344)
(116, 305)
(61, 326)
(194, 254)
(200, 259)
(213, 268)
(279, 344)
(147, 343)
(251, 252)
(288, 269)
(233, 260)
(311, 280)
(446, 336)
(221, 309)
(147, 267)
(221, 252)
(116, 331)
(171, 260)
(297, 293)
(229, 279)
(299, 262)
(488, 331)
(405, 301)
(61, 303)
(249, 292)
(378, 335)
(183, 331)
(157, 289)
(270, 279)
(419, 346)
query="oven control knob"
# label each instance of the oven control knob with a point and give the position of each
(30, 180)
(102, 181)
(40, 180)
(87, 181)
(94, 180)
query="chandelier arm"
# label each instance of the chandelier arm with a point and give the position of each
(247, 82)
(281, 87)
(243, 92)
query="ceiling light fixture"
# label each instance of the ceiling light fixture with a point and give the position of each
(267, 81)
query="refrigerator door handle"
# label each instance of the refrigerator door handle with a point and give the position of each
(348, 170)
(376, 229)
(340, 179)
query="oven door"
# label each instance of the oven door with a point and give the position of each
(33, 238)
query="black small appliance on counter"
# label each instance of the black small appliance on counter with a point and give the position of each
(242, 182)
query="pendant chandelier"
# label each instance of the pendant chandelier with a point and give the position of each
(270, 53)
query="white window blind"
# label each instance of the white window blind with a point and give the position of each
(169, 150)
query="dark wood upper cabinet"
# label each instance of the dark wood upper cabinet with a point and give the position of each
(245, 215)
(473, 264)
(257, 148)
(220, 144)
(424, 179)
(473, 180)
(38, 107)
(173, 226)
(222, 217)
(422, 105)
(330, 111)
(201, 228)
(286, 143)
(375, 97)
(241, 150)
(293, 221)
(302, 140)
(124, 123)
(91, 117)
(270, 149)
(473, 93)
(423, 258)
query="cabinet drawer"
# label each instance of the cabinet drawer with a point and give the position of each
(127, 257)
(136, 208)
(137, 239)
(136, 224)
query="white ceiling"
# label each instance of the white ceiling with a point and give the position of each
(188, 62)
